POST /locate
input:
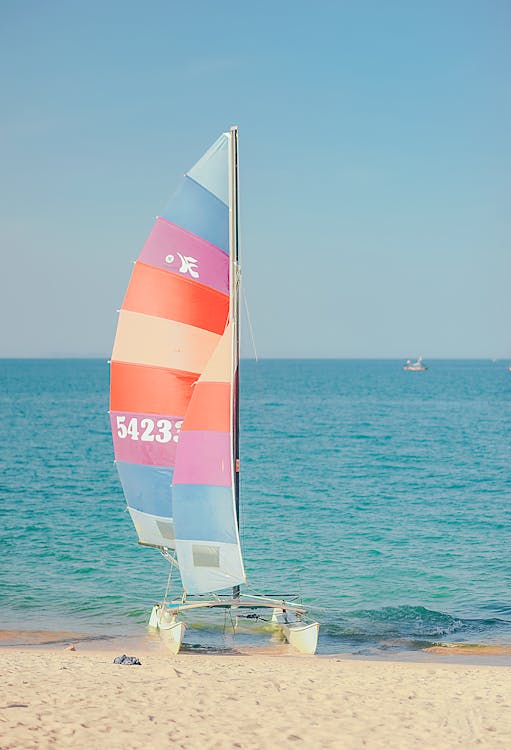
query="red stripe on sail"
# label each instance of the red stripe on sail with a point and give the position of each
(149, 390)
(166, 295)
(209, 408)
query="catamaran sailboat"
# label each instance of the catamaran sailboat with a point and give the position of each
(174, 401)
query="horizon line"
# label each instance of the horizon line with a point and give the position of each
(106, 359)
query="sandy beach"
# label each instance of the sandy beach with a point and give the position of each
(57, 698)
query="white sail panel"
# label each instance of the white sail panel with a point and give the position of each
(209, 565)
(156, 531)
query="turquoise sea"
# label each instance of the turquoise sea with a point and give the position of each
(383, 497)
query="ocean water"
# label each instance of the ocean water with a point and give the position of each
(381, 497)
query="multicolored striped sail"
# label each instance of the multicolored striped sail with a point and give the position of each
(174, 374)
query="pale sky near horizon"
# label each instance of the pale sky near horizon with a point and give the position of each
(374, 155)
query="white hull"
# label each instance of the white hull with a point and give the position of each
(171, 629)
(303, 637)
(172, 636)
(300, 635)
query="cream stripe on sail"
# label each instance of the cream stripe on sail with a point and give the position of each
(147, 340)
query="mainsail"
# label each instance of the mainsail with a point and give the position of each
(174, 374)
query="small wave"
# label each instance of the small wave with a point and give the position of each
(502, 608)
(413, 623)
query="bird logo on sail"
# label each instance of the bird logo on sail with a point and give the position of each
(188, 264)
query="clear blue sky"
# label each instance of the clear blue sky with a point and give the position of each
(375, 166)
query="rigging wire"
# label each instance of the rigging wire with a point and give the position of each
(169, 581)
(173, 563)
(251, 330)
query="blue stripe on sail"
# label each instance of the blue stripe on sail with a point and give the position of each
(147, 488)
(196, 209)
(204, 512)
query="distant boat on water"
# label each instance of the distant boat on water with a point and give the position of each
(417, 366)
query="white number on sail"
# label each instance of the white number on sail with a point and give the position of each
(121, 427)
(165, 428)
(132, 429)
(178, 428)
(147, 432)
(147, 425)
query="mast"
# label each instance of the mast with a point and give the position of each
(234, 294)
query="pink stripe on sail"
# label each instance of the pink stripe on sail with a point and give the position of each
(149, 439)
(174, 249)
(203, 457)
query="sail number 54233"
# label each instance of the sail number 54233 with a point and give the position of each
(163, 430)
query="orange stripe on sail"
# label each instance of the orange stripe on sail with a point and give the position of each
(156, 292)
(209, 408)
(152, 390)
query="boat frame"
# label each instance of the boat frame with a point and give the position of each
(286, 618)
